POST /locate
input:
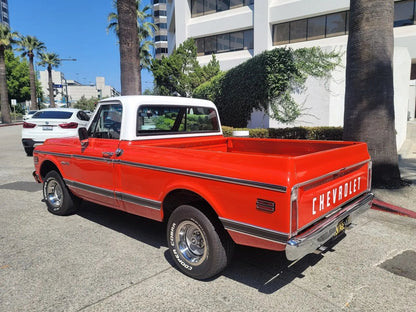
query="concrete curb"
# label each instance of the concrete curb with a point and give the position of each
(18, 123)
(383, 206)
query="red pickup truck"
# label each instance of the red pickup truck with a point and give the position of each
(165, 158)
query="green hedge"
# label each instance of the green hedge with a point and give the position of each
(305, 133)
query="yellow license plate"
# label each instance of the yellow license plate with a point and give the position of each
(341, 226)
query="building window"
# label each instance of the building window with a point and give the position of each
(223, 5)
(239, 40)
(161, 50)
(162, 25)
(161, 38)
(316, 28)
(203, 7)
(404, 13)
(281, 34)
(158, 13)
(336, 24)
(297, 31)
(159, 1)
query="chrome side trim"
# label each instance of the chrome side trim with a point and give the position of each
(254, 231)
(267, 186)
(261, 185)
(89, 188)
(137, 200)
(140, 201)
(319, 234)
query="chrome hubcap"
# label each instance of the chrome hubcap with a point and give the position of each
(53, 194)
(191, 242)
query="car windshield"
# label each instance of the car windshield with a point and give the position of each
(52, 115)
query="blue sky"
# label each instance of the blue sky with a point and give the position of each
(74, 29)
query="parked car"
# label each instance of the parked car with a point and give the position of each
(29, 114)
(52, 123)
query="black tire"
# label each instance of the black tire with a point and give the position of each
(29, 151)
(198, 248)
(59, 199)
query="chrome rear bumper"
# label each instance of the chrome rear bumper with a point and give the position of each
(308, 241)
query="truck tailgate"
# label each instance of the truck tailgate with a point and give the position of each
(324, 196)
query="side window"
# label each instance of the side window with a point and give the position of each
(83, 116)
(175, 119)
(107, 122)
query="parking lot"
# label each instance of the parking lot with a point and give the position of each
(106, 260)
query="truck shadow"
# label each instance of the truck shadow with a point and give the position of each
(265, 270)
(147, 231)
(269, 271)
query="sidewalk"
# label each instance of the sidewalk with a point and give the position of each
(406, 196)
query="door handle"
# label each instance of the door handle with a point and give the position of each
(108, 154)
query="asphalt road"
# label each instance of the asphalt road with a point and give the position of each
(105, 260)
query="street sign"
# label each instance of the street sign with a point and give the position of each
(14, 102)
(57, 86)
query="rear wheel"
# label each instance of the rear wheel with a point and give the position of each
(199, 248)
(58, 197)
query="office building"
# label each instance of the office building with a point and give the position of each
(161, 35)
(236, 30)
(68, 92)
(4, 13)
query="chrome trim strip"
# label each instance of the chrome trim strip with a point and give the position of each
(267, 186)
(90, 188)
(313, 238)
(255, 231)
(261, 185)
(140, 201)
(136, 200)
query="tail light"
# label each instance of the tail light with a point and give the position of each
(28, 125)
(70, 125)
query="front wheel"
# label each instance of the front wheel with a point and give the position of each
(58, 198)
(198, 248)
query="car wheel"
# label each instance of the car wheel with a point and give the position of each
(29, 151)
(199, 248)
(58, 197)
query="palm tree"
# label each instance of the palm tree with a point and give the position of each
(7, 38)
(369, 94)
(145, 28)
(50, 60)
(29, 46)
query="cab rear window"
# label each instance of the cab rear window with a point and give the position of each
(152, 119)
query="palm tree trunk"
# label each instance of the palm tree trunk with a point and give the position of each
(369, 94)
(51, 95)
(4, 96)
(129, 47)
(32, 79)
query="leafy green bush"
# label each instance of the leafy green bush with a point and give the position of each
(265, 81)
(305, 133)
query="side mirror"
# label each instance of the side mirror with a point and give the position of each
(83, 136)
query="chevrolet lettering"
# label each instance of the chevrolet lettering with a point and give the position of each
(166, 159)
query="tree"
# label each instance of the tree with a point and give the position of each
(7, 38)
(369, 95)
(180, 72)
(50, 60)
(129, 47)
(17, 72)
(30, 46)
(146, 30)
(87, 104)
